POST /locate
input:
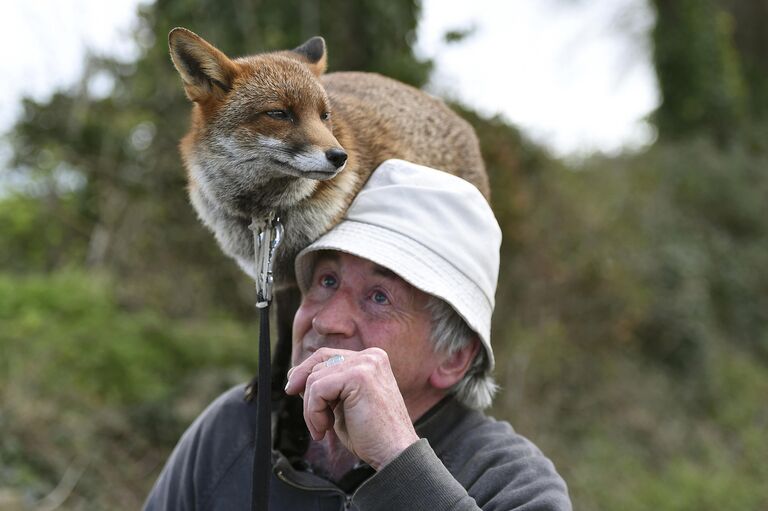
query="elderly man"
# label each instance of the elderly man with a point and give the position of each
(391, 367)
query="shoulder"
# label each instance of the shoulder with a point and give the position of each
(225, 427)
(214, 448)
(481, 434)
(229, 414)
(496, 464)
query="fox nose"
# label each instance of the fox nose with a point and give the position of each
(336, 156)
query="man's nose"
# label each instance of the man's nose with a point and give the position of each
(335, 317)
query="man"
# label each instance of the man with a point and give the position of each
(391, 367)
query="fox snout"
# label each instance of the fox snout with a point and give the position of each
(303, 160)
(314, 163)
(337, 156)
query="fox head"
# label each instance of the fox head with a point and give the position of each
(261, 134)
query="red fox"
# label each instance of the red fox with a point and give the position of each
(272, 132)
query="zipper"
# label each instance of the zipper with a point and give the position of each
(347, 498)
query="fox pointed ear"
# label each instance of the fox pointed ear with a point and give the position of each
(205, 71)
(314, 54)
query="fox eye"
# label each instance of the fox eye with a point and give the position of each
(325, 116)
(280, 115)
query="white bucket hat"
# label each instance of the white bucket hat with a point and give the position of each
(433, 229)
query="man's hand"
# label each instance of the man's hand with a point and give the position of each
(357, 397)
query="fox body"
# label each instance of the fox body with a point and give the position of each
(272, 132)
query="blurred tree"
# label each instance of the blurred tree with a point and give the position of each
(131, 212)
(699, 70)
(751, 41)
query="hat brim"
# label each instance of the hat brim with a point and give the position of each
(409, 259)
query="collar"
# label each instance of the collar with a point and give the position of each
(292, 440)
(440, 420)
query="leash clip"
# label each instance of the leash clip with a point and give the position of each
(267, 236)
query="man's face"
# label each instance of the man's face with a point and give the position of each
(354, 304)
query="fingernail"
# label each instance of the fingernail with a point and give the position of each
(287, 384)
(289, 372)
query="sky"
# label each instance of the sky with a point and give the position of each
(575, 75)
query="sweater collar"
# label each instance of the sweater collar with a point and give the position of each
(441, 420)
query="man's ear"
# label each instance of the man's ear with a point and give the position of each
(314, 55)
(453, 368)
(206, 72)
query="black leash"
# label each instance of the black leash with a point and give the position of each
(262, 457)
(267, 235)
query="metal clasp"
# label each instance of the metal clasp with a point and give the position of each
(267, 236)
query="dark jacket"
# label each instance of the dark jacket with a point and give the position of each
(464, 461)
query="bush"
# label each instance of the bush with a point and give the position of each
(86, 384)
(632, 326)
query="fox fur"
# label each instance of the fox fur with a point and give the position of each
(272, 131)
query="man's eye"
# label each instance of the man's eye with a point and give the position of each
(328, 281)
(380, 298)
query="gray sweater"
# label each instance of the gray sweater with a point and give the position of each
(464, 461)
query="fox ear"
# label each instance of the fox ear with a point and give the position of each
(314, 54)
(205, 71)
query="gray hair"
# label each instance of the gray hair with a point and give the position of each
(450, 333)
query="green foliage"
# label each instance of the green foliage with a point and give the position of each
(40, 232)
(85, 383)
(458, 35)
(751, 41)
(699, 70)
(631, 319)
(634, 326)
(363, 36)
(68, 325)
(711, 60)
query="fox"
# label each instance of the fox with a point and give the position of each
(273, 132)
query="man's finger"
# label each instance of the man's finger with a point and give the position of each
(322, 395)
(298, 375)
